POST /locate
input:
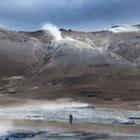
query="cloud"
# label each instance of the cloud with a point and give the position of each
(76, 14)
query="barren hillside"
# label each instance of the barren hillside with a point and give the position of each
(87, 66)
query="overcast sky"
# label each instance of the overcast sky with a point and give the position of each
(75, 14)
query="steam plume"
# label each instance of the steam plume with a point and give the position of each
(53, 30)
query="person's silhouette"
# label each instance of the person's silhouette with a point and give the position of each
(70, 118)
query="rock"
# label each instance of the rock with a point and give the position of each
(11, 90)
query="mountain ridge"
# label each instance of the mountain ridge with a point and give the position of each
(51, 66)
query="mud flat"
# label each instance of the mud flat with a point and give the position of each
(36, 130)
(49, 120)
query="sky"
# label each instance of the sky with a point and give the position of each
(85, 15)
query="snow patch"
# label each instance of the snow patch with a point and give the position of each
(122, 29)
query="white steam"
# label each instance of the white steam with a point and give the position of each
(5, 126)
(53, 30)
(122, 29)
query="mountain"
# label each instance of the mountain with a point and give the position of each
(92, 66)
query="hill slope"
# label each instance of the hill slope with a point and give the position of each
(95, 65)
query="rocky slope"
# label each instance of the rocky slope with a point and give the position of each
(86, 65)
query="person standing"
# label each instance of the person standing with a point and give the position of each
(71, 118)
